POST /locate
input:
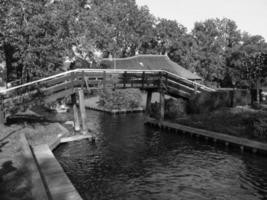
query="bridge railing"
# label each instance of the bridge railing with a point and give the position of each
(108, 71)
(64, 84)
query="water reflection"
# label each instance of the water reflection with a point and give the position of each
(131, 161)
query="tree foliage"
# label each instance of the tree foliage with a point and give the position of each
(36, 36)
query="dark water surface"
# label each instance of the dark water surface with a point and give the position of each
(133, 161)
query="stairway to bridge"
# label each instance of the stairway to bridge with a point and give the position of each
(53, 88)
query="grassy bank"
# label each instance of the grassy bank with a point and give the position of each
(239, 121)
(15, 177)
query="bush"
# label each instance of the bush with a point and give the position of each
(256, 126)
(174, 108)
(120, 99)
(206, 102)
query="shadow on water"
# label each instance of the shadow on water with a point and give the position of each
(132, 161)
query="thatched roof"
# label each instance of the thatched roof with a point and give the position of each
(149, 62)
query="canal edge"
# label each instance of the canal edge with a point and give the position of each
(49, 181)
(244, 144)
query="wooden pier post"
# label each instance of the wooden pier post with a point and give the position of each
(162, 106)
(148, 102)
(77, 126)
(2, 114)
(2, 117)
(104, 81)
(82, 110)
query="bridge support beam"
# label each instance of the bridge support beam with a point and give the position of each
(82, 110)
(162, 106)
(2, 115)
(148, 102)
(77, 126)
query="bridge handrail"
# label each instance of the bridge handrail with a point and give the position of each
(113, 71)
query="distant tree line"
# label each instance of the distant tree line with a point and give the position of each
(36, 36)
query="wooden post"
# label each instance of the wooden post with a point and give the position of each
(166, 79)
(82, 110)
(159, 83)
(77, 126)
(104, 81)
(72, 80)
(143, 80)
(2, 116)
(162, 105)
(195, 87)
(148, 102)
(124, 79)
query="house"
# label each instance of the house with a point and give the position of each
(149, 62)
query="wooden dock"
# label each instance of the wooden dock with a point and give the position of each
(49, 179)
(75, 138)
(38, 189)
(58, 184)
(228, 140)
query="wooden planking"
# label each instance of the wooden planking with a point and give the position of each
(55, 81)
(62, 86)
(59, 95)
(58, 184)
(178, 92)
(181, 81)
(180, 86)
(75, 138)
(21, 98)
(243, 142)
(38, 189)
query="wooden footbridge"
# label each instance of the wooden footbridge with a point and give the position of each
(70, 83)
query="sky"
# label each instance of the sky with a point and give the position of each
(249, 15)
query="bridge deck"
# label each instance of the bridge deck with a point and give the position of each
(59, 86)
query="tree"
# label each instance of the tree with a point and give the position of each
(255, 70)
(209, 54)
(36, 36)
(124, 26)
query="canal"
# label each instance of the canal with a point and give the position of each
(132, 161)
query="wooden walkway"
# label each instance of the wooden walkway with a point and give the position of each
(38, 189)
(62, 85)
(49, 181)
(75, 138)
(57, 182)
(228, 140)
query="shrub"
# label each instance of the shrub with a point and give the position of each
(209, 101)
(174, 108)
(256, 126)
(120, 99)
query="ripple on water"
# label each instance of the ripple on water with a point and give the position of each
(130, 161)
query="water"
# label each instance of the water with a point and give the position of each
(132, 161)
